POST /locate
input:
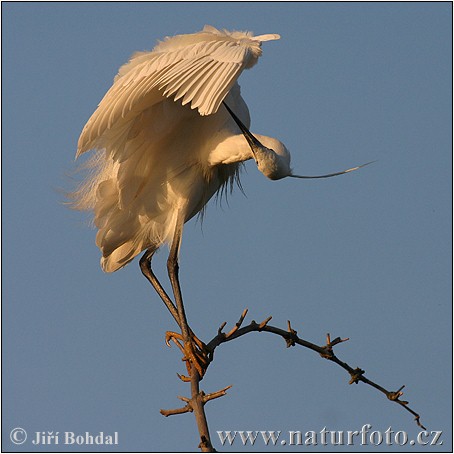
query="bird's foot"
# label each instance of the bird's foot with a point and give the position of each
(195, 353)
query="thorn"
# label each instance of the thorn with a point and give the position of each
(221, 328)
(328, 348)
(396, 394)
(338, 340)
(356, 376)
(290, 341)
(265, 322)
(290, 329)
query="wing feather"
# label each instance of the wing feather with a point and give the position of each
(189, 89)
(199, 69)
(226, 78)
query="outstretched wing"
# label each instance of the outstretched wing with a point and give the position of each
(199, 69)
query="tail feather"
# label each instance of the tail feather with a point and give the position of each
(120, 256)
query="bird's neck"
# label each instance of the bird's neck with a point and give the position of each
(229, 150)
(235, 148)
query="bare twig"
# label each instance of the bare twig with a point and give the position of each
(176, 411)
(195, 405)
(215, 395)
(291, 338)
(198, 399)
(237, 324)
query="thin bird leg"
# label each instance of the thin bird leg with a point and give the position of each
(172, 269)
(197, 356)
(145, 266)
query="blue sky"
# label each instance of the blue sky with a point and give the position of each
(365, 256)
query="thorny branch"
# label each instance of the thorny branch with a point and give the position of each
(198, 400)
(326, 351)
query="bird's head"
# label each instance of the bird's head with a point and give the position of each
(272, 156)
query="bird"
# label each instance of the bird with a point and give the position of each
(171, 133)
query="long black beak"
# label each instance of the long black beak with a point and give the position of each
(328, 175)
(252, 141)
(255, 144)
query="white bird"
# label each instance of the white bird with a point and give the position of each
(171, 132)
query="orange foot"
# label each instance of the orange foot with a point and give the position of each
(194, 353)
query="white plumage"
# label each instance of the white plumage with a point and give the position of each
(164, 144)
(171, 132)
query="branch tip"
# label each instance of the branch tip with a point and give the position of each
(418, 422)
(176, 411)
(221, 328)
(215, 395)
(338, 340)
(237, 324)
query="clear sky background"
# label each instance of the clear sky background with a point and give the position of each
(365, 255)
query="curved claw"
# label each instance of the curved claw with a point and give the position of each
(184, 378)
(176, 338)
(194, 353)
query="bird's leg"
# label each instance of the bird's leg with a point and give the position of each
(194, 350)
(145, 266)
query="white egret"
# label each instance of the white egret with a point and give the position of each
(168, 135)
